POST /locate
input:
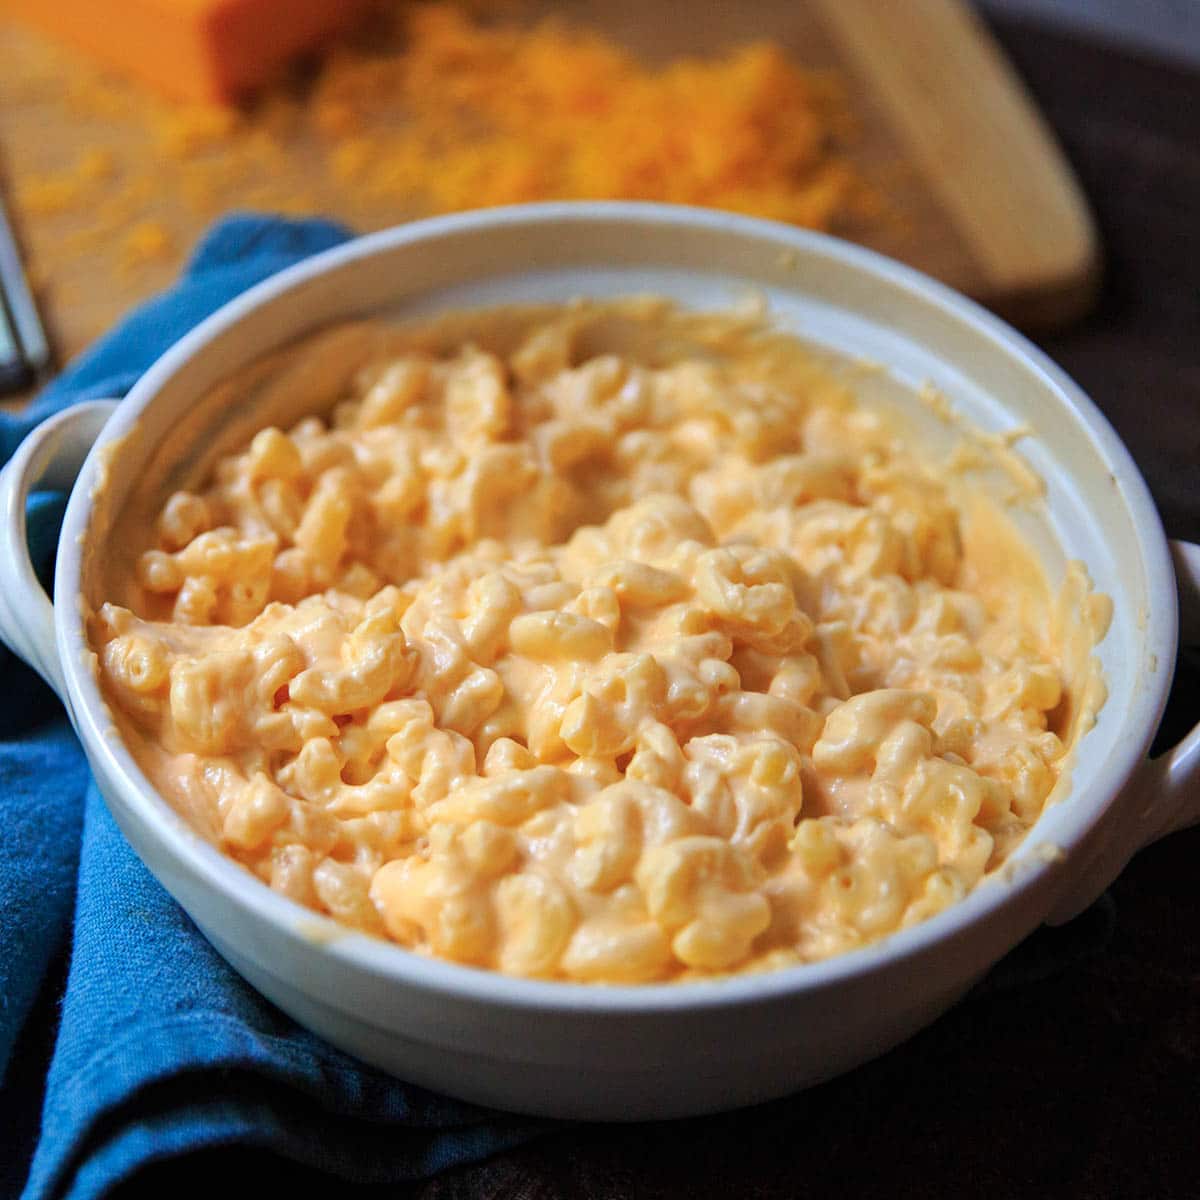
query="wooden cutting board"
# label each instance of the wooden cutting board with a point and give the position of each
(981, 196)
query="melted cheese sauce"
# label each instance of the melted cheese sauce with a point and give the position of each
(605, 643)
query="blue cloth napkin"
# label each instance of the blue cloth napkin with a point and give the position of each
(161, 1049)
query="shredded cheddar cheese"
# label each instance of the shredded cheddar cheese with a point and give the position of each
(503, 114)
(145, 242)
(61, 191)
(435, 109)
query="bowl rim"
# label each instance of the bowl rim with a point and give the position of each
(387, 960)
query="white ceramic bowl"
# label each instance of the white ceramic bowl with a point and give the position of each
(636, 1052)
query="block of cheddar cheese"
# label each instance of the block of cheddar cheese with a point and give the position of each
(209, 51)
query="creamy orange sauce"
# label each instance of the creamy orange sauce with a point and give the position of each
(606, 643)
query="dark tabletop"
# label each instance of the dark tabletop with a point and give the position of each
(1075, 1070)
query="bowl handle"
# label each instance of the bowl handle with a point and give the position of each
(50, 456)
(1165, 791)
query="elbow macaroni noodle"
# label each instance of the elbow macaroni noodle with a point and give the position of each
(596, 666)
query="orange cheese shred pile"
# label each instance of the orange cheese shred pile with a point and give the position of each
(502, 114)
(435, 107)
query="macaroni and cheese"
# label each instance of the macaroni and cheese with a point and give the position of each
(623, 646)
